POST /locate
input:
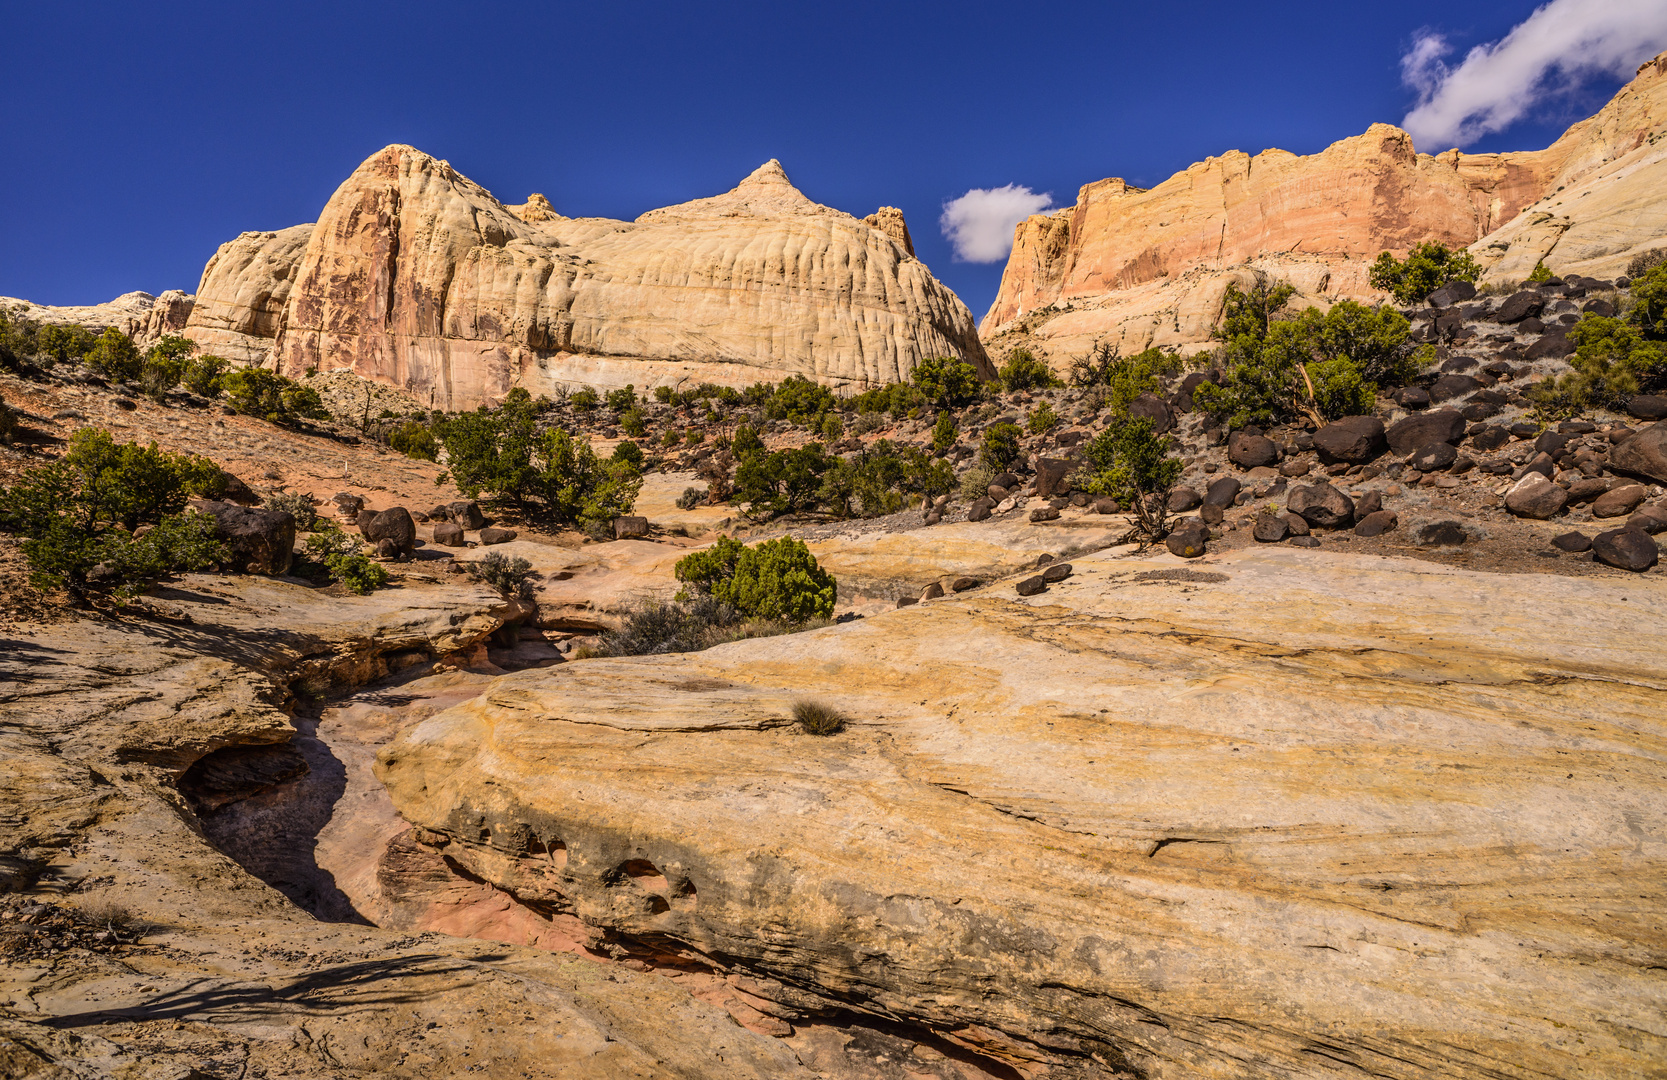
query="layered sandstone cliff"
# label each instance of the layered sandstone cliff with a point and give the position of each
(415, 276)
(1138, 267)
(139, 315)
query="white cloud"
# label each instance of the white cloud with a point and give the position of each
(1550, 52)
(980, 223)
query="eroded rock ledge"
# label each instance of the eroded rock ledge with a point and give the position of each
(1280, 814)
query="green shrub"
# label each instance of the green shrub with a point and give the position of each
(620, 400)
(944, 432)
(509, 575)
(894, 398)
(1427, 267)
(78, 513)
(663, 394)
(549, 474)
(946, 382)
(630, 453)
(633, 422)
(818, 718)
(115, 356)
(584, 400)
(832, 428)
(1131, 464)
(9, 422)
(414, 439)
(1023, 371)
(670, 438)
(61, 344)
(777, 580)
(746, 443)
(691, 498)
(1042, 419)
(1540, 273)
(296, 505)
(1123, 378)
(1000, 448)
(1614, 359)
(798, 400)
(975, 482)
(1649, 303)
(164, 365)
(1339, 390)
(693, 436)
(203, 375)
(783, 482)
(1641, 263)
(356, 573)
(272, 397)
(327, 541)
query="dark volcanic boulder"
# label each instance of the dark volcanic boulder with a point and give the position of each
(1519, 306)
(1625, 549)
(1554, 345)
(261, 541)
(448, 534)
(1412, 397)
(1648, 407)
(1449, 387)
(1251, 451)
(1573, 542)
(1322, 506)
(1443, 534)
(490, 535)
(1619, 502)
(394, 525)
(1184, 500)
(1645, 454)
(1536, 497)
(1187, 539)
(1376, 523)
(1155, 409)
(1352, 440)
(1222, 492)
(1433, 458)
(1412, 433)
(1270, 528)
(466, 513)
(1050, 476)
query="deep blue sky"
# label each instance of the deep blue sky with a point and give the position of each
(142, 136)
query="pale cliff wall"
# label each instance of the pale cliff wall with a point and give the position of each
(1147, 267)
(415, 276)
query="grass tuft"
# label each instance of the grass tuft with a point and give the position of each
(817, 718)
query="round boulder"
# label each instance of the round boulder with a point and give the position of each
(1536, 497)
(1625, 549)
(501, 536)
(1322, 506)
(1251, 451)
(1433, 458)
(1648, 407)
(1030, 586)
(1413, 433)
(1184, 499)
(1270, 528)
(448, 534)
(1155, 409)
(1619, 502)
(1222, 492)
(1573, 542)
(1187, 539)
(1443, 534)
(394, 525)
(1644, 454)
(1376, 523)
(1352, 440)
(261, 541)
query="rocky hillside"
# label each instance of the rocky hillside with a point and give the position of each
(415, 276)
(1148, 267)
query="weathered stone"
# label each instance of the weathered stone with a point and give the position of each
(1183, 500)
(1413, 397)
(1573, 542)
(466, 513)
(1434, 457)
(980, 509)
(1520, 305)
(1376, 523)
(1056, 573)
(1222, 492)
(1585, 490)
(1044, 513)
(1353, 440)
(1050, 476)
(1154, 409)
(1322, 506)
(448, 534)
(1443, 534)
(1645, 454)
(394, 525)
(625, 528)
(1412, 433)
(1106, 506)
(932, 591)
(1619, 502)
(1534, 496)
(1647, 406)
(260, 541)
(1187, 539)
(1625, 549)
(1550, 346)
(1270, 528)
(491, 535)
(1030, 586)
(1453, 386)
(1490, 438)
(1251, 451)
(1369, 503)
(1295, 523)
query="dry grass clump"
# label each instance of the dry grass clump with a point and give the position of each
(818, 718)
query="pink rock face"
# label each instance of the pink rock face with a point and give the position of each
(1148, 267)
(416, 277)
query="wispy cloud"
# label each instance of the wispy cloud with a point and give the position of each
(1551, 52)
(979, 224)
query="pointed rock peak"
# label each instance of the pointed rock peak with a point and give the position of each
(770, 173)
(536, 208)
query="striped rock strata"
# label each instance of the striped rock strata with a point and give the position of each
(1273, 814)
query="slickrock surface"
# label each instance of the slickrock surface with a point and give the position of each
(139, 315)
(1272, 813)
(1148, 267)
(415, 276)
(137, 951)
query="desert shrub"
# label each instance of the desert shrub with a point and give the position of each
(272, 397)
(975, 482)
(164, 365)
(867, 423)
(783, 482)
(61, 344)
(296, 505)
(746, 443)
(944, 432)
(114, 356)
(204, 374)
(1131, 464)
(358, 574)
(76, 516)
(897, 399)
(1023, 371)
(1540, 274)
(1339, 389)
(509, 575)
(833, 428)
(1427, 267)
(691, 498)
(328, 540)
(630, 453)
(693, 436)
(584, 399)
(618, 401)
(1649, 303)
(880, 479)
(9, 422)
(670, 438)
(416, 440)
(715, 470)
(818, 718)
(945, 381)
(798, 400)
(1000, 447)
(1613, 359)
(777, 580)
(1644, 262)
(1121, 379)
(1041, 420)
(633, 422)
(502, 453)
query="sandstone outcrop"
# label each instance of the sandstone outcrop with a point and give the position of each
(416, 277)
(1137, 268)
(139, 315)
(1142, 824)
